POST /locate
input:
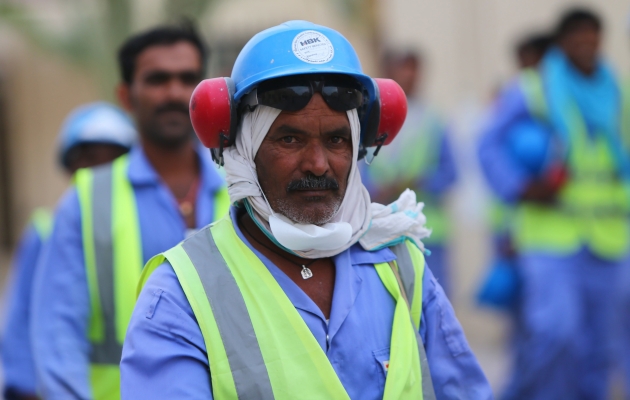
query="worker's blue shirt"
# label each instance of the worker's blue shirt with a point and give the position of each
(164, 355)
(61, 304)
(506, 177)
(17, 357)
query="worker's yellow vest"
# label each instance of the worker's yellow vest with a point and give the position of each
(258, 345)
(592, 208)
(112, 249)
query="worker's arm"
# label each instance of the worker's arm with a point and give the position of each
(17, 358)
(443, 176)
(507, 179)
(455, 372)
(61, 309)
(179, 369)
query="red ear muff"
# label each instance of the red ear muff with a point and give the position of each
(393, 102)
(212, 112)
(384, 117)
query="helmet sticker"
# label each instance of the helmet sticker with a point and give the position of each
(313, 47)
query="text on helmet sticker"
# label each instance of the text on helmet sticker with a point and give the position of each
(313, 47)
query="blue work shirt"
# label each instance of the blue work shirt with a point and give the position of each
(164, 355)
(61, 303)
(17, 357)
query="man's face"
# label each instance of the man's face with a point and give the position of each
(407, 73)
(581, 45)
(304, 162)
(158, 96)
(529, 57)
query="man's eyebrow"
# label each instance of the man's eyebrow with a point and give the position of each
(288, 129)
(341, 131)
(170, 73)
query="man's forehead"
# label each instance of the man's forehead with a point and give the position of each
(176, 57)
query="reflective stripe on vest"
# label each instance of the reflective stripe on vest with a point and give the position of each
(113, 260)
(592, 206)
(258, 345)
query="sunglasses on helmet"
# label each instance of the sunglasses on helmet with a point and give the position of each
(293, 93)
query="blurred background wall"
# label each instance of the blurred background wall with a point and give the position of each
(57, 54)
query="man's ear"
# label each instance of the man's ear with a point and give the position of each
(123, 93)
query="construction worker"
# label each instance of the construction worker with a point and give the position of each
(500, 288)
(420, 158)
(568, 185)
(245, 308)
(120, 215)
(91, 135)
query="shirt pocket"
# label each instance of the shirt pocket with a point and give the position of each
(381, 358)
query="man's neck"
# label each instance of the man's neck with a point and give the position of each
(319, 287)
(170, 163)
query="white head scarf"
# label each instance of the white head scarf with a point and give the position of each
(356, 208)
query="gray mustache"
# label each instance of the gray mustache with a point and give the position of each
(312, 182)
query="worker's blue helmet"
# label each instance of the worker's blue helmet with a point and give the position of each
(529, 142)
(293, 48)
(98, 122)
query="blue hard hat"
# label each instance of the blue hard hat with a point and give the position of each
(501, 286)
(529, 143)
(294, 48)
(98, 122)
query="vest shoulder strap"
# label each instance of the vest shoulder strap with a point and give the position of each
(221, 203)
(411, 265)
(112, 254)
(532, 85)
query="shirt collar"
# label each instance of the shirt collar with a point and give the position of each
(359, 255)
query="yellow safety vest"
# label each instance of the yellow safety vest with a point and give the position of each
(592, 207)
(112, 249)
(258, 345)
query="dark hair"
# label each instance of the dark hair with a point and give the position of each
(163, 35)
(400, 56)
(539, 42)
(576, 18)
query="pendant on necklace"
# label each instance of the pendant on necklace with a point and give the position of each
(306, 272)
(186, 208)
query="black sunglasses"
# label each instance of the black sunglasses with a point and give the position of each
(293, 93)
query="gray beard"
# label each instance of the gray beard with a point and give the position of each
(297, 214)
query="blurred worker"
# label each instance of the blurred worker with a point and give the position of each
(565, 172)
(91, 135)
(245, 308)
(420, 159)
(120, 215)
(501, 284)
